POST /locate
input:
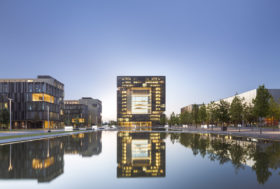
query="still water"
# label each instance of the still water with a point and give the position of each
(122, 159)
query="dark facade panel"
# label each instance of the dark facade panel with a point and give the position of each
(31, 100)
(141, 100)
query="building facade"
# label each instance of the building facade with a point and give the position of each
(94, 110)
(248, 96)
(32, 100)
(75, 113)
(140, 100)
(189, 108)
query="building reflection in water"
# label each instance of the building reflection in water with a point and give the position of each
(140, 154)
(44, 159)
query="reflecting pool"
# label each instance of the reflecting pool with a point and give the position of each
(123, 159)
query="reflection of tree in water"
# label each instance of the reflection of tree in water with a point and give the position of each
(261, 156)
(174, 137)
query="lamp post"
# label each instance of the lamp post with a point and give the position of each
(10, 104)
(49, 118)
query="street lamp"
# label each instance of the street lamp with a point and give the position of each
(48, 118)
(10, 104)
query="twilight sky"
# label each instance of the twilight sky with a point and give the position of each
(206, 49)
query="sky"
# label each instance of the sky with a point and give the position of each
(207, 50)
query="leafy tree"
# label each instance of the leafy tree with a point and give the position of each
(5, 117)
(195, 114)
(261, 102)
(236, 110)
(172, 119)
(177, 120)
(212, 113)
(274, 110)
(162, 120)
(186, 117)
(223, 112)
(202, 113)
(248, 113)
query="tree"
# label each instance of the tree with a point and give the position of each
(274, 110)
(236, 110)
(261, 103)
(202, 114)
(186, 117)
(195, 115)
(212, 114)
(162, 120)
(5, 117)
(248, 113)
(172, 119)
(223, 112)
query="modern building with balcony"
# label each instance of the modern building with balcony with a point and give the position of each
(140, 100)
(34, 100)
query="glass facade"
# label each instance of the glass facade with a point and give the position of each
(140, 100)
(31, 100)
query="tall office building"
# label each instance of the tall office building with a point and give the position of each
(32, 100)
(140, 100)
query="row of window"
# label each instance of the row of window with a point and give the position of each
(36, 87)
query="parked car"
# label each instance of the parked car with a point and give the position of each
(185, 126)
(94, 127)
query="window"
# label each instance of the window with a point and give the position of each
(42, 97)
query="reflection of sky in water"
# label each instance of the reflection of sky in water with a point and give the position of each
(183, 170)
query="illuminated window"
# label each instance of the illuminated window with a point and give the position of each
(42, 97)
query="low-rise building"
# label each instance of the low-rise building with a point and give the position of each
(75, 113)
(83, 112)
(248, 96)
(33, 101)
(94, 110)
(189, 108)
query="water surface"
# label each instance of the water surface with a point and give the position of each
(122, 159)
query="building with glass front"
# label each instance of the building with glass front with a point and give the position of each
(140, 100)
(75, 114)
(32, 100)
(140, 154)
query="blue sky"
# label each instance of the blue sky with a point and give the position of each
(206, 49)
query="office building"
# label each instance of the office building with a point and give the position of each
(140, 100)
(34, 101)
(85, 111)
(75, 114)
(94, 110)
